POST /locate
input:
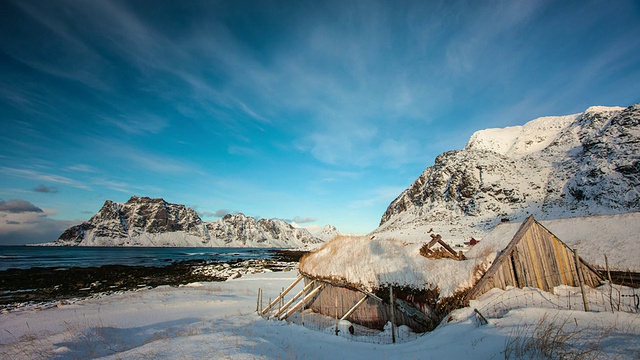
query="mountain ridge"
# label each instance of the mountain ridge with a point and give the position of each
(145, 221)
(553, 167)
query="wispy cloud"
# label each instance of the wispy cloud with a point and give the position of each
(114, 185)
(303, 219)
(69, 48)
(241, 150)
(218, 213)
(46, 189)
(139, 125)
(81, 168)
(382, 195)
(145, 159)
(37, 175)
(17, 206)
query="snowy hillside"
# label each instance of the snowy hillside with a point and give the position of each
(143, 221)
(325, 233)
(551, 167)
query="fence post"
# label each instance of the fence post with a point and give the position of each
(268, 313)
(258, 301)
(337, 330)
(584, 296)
(606, 264)
(393, 316)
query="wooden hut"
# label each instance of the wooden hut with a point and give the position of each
(359, 274)
(536, 258)
(355, 278)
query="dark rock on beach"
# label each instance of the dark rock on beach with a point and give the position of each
(42, 285)
(51, 284)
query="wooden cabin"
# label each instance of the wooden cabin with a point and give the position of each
(374, 311)
(362, 271)
(351, 277)
(535, 258)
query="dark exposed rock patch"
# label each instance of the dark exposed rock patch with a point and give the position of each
(42, 285)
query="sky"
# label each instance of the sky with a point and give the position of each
(315, 112)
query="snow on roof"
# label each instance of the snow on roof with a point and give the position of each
(374, 263)
(370, 263)
(594, 236)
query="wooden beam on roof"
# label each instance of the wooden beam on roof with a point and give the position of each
(450, 250)
(434, 240)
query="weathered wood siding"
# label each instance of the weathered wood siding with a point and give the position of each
(535, 258)
(372, 313)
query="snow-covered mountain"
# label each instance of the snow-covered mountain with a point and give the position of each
(325, 233)
(144, 221)
(240, 230)
(552, 167)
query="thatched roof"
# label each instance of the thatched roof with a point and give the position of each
(369, 264)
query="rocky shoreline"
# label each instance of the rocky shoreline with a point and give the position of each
(46, 287)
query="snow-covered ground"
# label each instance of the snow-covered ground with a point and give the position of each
(217, 320)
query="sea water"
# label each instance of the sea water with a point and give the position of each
(24, 257)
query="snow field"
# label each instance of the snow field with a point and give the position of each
(217, 320)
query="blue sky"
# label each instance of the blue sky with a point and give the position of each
(318, 112)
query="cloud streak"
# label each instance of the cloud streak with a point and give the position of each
(45, 189)
(37, 175)
(17, 206)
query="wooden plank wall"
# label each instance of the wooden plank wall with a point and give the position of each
(535, 258)
(373, 313)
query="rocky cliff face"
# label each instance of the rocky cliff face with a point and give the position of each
(247, 231)
(143, 221)
(552, 167)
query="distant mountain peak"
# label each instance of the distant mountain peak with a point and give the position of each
(145, 221)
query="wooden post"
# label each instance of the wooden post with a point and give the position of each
(337, 316)
(300, 293)
(258, 301)
(354, 307)
(282, 294)
(584, 296)
(302, 302)
(481, 319)
(393, 317)
(267, 308)
(606, 264)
